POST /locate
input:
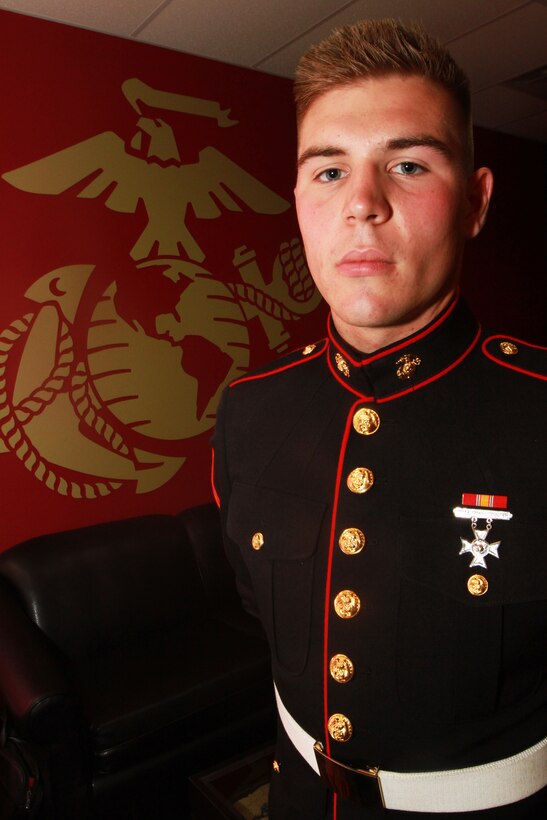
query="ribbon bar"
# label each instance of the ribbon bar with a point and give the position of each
(492, 502)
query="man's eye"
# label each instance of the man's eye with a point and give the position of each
(330, 175)
(408, 168)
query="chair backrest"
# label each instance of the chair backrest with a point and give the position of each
(202, 528)
(93, 588)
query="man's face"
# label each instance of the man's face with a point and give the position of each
(385, 204)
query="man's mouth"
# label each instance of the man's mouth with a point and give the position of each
(364, 262)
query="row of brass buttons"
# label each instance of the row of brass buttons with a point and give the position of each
(347, 603)
(351, 541)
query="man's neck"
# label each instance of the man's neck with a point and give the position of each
(368, 340)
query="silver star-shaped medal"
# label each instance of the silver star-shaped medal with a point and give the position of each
(480, 548)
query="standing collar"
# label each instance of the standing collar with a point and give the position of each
(409, 363)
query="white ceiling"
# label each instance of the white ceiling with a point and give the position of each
(495, 41)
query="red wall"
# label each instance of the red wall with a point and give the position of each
(150, 254)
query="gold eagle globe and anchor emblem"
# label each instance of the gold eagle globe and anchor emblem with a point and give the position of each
(93, 396)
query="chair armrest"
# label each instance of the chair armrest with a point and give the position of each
(34, 687)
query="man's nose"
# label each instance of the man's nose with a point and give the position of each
(367, 198)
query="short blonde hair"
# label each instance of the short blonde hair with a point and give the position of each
(377, 48)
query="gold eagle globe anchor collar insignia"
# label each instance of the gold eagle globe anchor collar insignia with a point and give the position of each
(409, 364)
(476, 507)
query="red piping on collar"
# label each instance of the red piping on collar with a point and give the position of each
(405, 343)
(414, 387)
(338, 378)
(437, 375)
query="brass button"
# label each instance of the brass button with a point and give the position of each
(340, 728)
(341, 668)
(352, 541)
(508, 348)
(276, 767)
(360, 480)
(407, 365)
(308, 349)
(347, 604)
(477, 585)
(257, 541)
(342, 365)
(366, 421)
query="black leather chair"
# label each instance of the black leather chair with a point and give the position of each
(126, 658)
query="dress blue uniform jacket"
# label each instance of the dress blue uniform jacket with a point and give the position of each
(448, 660)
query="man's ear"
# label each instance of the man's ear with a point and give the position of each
(479, 191)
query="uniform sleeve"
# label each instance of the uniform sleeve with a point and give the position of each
(222, 491)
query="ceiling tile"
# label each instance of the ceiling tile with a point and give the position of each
(498, 106)
(109, 16)
(532, 127)
(505, 48)
(446, 21)
(238, 31)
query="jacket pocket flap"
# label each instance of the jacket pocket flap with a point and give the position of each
(289, 524)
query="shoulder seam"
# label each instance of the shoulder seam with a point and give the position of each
(318, 351)
(507, 363)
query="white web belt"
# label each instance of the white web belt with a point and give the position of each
(454, 790)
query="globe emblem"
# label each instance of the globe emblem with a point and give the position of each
(163, 381)
(127, 391)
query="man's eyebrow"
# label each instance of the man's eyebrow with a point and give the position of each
(320, 151)
(401, 143)
(395, 144)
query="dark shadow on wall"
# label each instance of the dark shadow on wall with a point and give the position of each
(505, 277)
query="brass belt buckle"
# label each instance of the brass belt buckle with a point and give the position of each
(361, 786)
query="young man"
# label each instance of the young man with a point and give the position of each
(381, 490)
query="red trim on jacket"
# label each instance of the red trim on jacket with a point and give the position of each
(328, 582)
(215, 494)
(345, 384)
(410, 389)
(505, 363)
(410, 340)
(439, 375)
(319, 352)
